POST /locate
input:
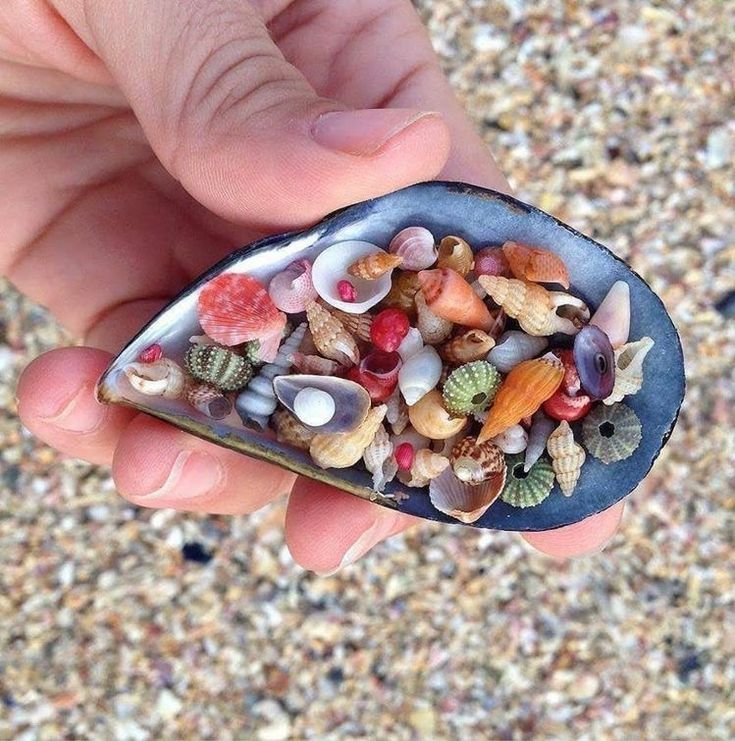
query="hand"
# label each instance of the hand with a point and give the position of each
(140, 142)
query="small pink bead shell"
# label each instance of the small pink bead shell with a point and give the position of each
(415, 245)
(292, 290)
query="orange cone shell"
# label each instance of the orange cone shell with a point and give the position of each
(235, 308)
(451, 297)
(524, 390)
(534, 264)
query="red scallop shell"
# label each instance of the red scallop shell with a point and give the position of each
(234, 308)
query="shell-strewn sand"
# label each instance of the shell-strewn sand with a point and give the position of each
(617, 118)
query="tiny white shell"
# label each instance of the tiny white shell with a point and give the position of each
(513, 440)
(513, 347)
(415, 245)
(412, 344)
(330, 267)
(420, 374)
(163, 378)
(314, 407)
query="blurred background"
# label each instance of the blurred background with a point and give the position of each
(123, 623)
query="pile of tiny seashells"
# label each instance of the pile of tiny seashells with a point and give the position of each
(448, 383)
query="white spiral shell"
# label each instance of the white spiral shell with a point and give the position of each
(420, 374)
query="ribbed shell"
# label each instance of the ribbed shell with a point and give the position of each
(425, 467)
(330, 337)
(258, 401)
(567, 457)
(379, 461)
(611, 433)
(374, 266)
(456, 254)
(314, 364)
(415, 245)
(513, 348)
(208, 400)
(344, 449)
(524, 390)
(531, 487)
(629, 369)
(466, 347)
(464, 502)
(434, 330)
(534, 307)
(290, 431)
(474, 462)
(162, 377)
(397, 413)
(470, 388)
(218, 366)
(358, 325)
(292, 289)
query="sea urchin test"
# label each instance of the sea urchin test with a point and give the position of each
(444, 350)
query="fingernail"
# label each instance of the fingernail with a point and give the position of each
(82, 413)
(192, 475)
(379, 530)
(363, 133)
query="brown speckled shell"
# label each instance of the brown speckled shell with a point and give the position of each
(475, 462)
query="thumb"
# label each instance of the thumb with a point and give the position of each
(239, 126)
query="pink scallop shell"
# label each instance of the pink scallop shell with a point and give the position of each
(292, 289)
(415, 245)
(491, 261)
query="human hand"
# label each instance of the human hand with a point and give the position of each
(140, 142)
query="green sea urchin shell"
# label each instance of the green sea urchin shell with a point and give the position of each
(611, 433)
(218, 366)
(470, 388)
(527, 489)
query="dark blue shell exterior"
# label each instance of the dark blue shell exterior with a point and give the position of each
(483, 218)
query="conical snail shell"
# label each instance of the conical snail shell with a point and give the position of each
(379, 461)
(397, 414)
(208, 400)
(163, 377)
(629, 369)
(330, 337)
(258, 401)
(344, 449)
(567, 457)
(358, 325)
(433, 328)
(513, 440)
(305, 396)
(375, 265)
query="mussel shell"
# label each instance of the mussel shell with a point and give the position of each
(351, 400)
(481, 217)
(594, 358)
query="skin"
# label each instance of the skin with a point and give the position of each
(140, 142)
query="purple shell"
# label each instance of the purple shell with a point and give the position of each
(491, 261)
(595, 361)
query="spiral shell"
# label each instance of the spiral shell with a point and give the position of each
(419, 375)
(433, 328)
(535, 308)
(208, 400)
(313, 365)
(403, 291)
(513, 440)
(491, 261)
(474, 462)
(537, 265)
(358, 325)
(257, 402)
(290, 431)
(527, 488)
(613, 314)
(567, 457)
(330, 337)
(541, 429)
(464, 502)
(379, 461)
(430, 418)
(415, 245)
(470, 388)
(451, 297)
(611, 433)
(425, 467)
(629, 369)
(330, 271)
(374, 265)
(466, 347)
(218, 366)
(525, 388)
(456, 254)
(397, 412)
(162, 377)
(292, 289)
(325, 404)
(513, 348)
(344, 449)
